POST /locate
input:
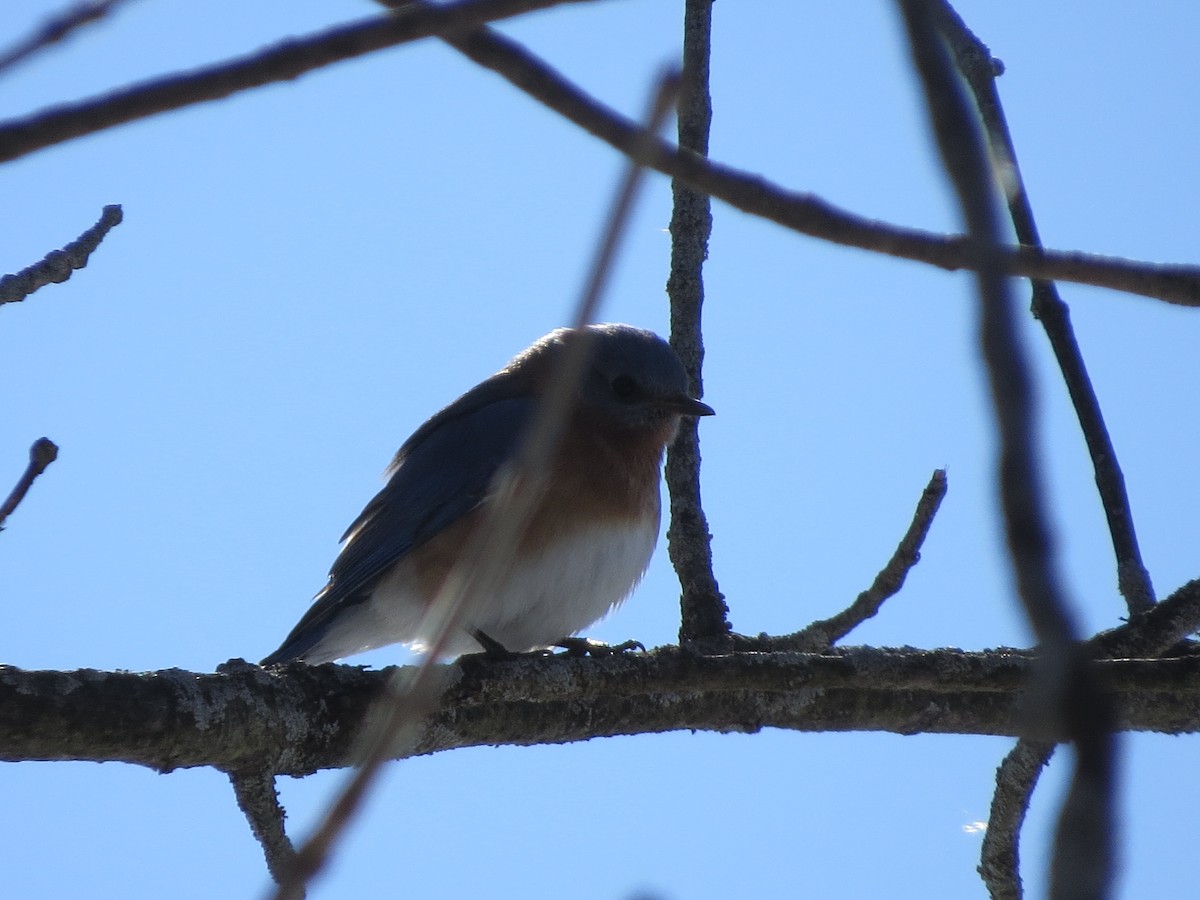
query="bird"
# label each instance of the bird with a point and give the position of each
(589, 539)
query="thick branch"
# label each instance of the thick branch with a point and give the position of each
(297, 720)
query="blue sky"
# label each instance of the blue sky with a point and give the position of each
(306, 272)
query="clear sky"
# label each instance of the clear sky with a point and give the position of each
(307, 271)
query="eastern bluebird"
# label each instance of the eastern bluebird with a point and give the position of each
(588, 542)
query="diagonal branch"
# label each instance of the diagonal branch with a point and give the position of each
(43, 452)
(1018, 774)
(824, 633)
(803, 212)
(58, 265)
(57, 28)
(979, 69)
(284, 62)
(1067, 689)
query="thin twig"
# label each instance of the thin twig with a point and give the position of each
(258, 800)
(58, 265)
(43, 452)
(805, 212)
(979, 68)
(704, 615)
(283, 62)
(1017, 776)
(517, 488)
(826, 632)
(822, 634)
(1066, 689)
(1156, 632)
(57, 28)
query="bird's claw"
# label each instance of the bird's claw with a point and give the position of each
(581, 646)
(492, 648)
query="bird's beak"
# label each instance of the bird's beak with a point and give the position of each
(688, 406)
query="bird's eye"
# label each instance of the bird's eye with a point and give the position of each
(624, 387)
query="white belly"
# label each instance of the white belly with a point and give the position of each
(542, 598)
(550, 597)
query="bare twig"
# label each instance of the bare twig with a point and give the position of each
(43, 452)
(804, 212)
(1155, 633)
(57, 28)
(980, 69)
(1071, 699)
(999, 863)
(517, 488)
(826, 632)
(285, 61)
(704, 615)
(58, 265)
(259, 802)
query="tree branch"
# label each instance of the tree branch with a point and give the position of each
(259, 802)
(1145, 637)
(299, 719)
(1156, 632)
(284, 62)
(43, 452)
(58, 265)
(979, 69)
(57, 28)
(806, 213)
(825, 632)
(1070, 699)
(704, 616)
(1000, 860)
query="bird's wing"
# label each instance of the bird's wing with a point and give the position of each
(439, 475)
(438, 481)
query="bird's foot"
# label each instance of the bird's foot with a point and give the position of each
(581, 646)
(492, 648)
